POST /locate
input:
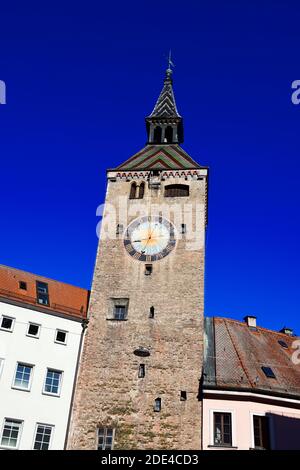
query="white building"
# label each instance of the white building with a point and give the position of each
(40, 339)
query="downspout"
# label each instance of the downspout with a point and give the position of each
(84, 324)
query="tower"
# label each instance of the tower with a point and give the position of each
(141, 366)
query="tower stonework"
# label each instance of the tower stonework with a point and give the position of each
(141, 366)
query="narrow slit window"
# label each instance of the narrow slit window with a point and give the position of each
(142, 371)
(119, 229)
(183, 228)
(141, 190)
(151, 314)
(157, 404)
(148, 269)
(183, 395)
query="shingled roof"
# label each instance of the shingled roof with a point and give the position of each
(165, 105)
(235, 354)
(167, 157)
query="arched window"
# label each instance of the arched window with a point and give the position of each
(157, 135)
(169, 134)
(141, 190)
(133, 191)
(176, 190)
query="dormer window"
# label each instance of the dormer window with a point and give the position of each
(177, 190)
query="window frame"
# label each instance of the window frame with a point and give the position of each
(39, 330)
(51, 394)
(16, 387)
(105, 436)
(60, 342)
(117, 302)
(260, 414)
(12, 325)
(20, 422)
(212, 429)
(35, 433)
(46, 294)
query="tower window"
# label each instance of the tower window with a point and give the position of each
(169, 134)
(23, 285)
(157, 135)
(157, 404)
(133, 189)
(183, 395)
(151, 314)
(141, 371)
(42, 293)
(148, 269)
(120, 312)
(119, 229)
(177, 190)
(141, 190)
(183, 228)
(105, 438)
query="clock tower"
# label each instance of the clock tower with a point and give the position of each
(139, 378)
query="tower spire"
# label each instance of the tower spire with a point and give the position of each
(164, 124)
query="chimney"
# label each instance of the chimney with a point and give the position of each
(251, 321)
(287, 331)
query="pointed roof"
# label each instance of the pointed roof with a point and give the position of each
(160, 157)
(165, 106)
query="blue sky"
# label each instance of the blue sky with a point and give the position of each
(80, 79)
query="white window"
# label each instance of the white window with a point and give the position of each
(61, 336)
(222, 428)
(11, 432)
(53, 380)
(33, 330)
(23, 376)
(43, 435)
(7, 323)
(105, 438)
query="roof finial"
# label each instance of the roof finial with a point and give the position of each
(169, 70)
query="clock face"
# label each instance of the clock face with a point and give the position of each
(150, 238)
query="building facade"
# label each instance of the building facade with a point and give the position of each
(139, 380)
(40, 338)
(251, 387)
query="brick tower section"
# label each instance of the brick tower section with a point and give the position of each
(109, 392)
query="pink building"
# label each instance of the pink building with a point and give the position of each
(251, 387)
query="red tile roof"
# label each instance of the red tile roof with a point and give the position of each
(240, 353)
(64, 298)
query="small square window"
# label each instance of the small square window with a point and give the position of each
(148, 269)
(7, 323)
(61, 337)
(120, 312)
(23, 285)
(33, 330)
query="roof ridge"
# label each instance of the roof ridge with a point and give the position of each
(233, 320)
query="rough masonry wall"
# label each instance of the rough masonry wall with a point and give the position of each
(109, 392)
